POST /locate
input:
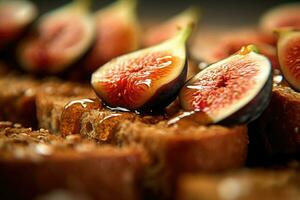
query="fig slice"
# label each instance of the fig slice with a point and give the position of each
(148, 79)
(59, 39)
(15, 16)
(282, 16)
(288, 48)
(232, 91)
(117, 33)
(159, 33)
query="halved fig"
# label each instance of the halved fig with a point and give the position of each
(286, 15)
(234, 90)
(117, 33)
(148, 79)
(15, 16)
(288, 48)
(168, 29)
(59, 39)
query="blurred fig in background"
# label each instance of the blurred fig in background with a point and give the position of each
(169, 28)
(227, 43)
(282, 16)
(15, 17)
(117, 33)
(59, 39)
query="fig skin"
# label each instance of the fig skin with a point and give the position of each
(55, 42)
(16, 17)
(243, 109)
(165, 94)
(159, 33)
(145, 80)
(288, 48)
(117, 33)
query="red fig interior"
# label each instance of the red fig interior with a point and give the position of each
(53, 39)
(59, 39)
(115, 35)
(132, 82)
(14, 17)
(289, 57)
(136, 80)
(226, 86)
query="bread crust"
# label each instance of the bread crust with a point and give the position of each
(276, 134)
(51, 99)
(17, 99)
(34, 163)
(174, 151)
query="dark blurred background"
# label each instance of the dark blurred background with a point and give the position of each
(214, 12)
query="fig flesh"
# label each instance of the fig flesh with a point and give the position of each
(286, 15)
(58, 40)
(288, 48)
(117, 33)
(232, 91)
(168, 29)
(15, 16)
(145, 80)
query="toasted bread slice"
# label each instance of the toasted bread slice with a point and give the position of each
(17, 99)
(34, 163)
(243, 185)
(277, 131)
(30, 102)
(175, 150)
(51, 99)
(91, 119)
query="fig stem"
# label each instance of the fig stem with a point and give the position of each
(247, 49)
(284, 31)
(83, 5)
(184, 32)
(130, 3)
(192, 13)
(125, 7)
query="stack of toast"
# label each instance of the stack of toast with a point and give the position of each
(83, 146)
(60, 140)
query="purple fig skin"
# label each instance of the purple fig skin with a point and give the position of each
(166, 93)
(254, 108)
